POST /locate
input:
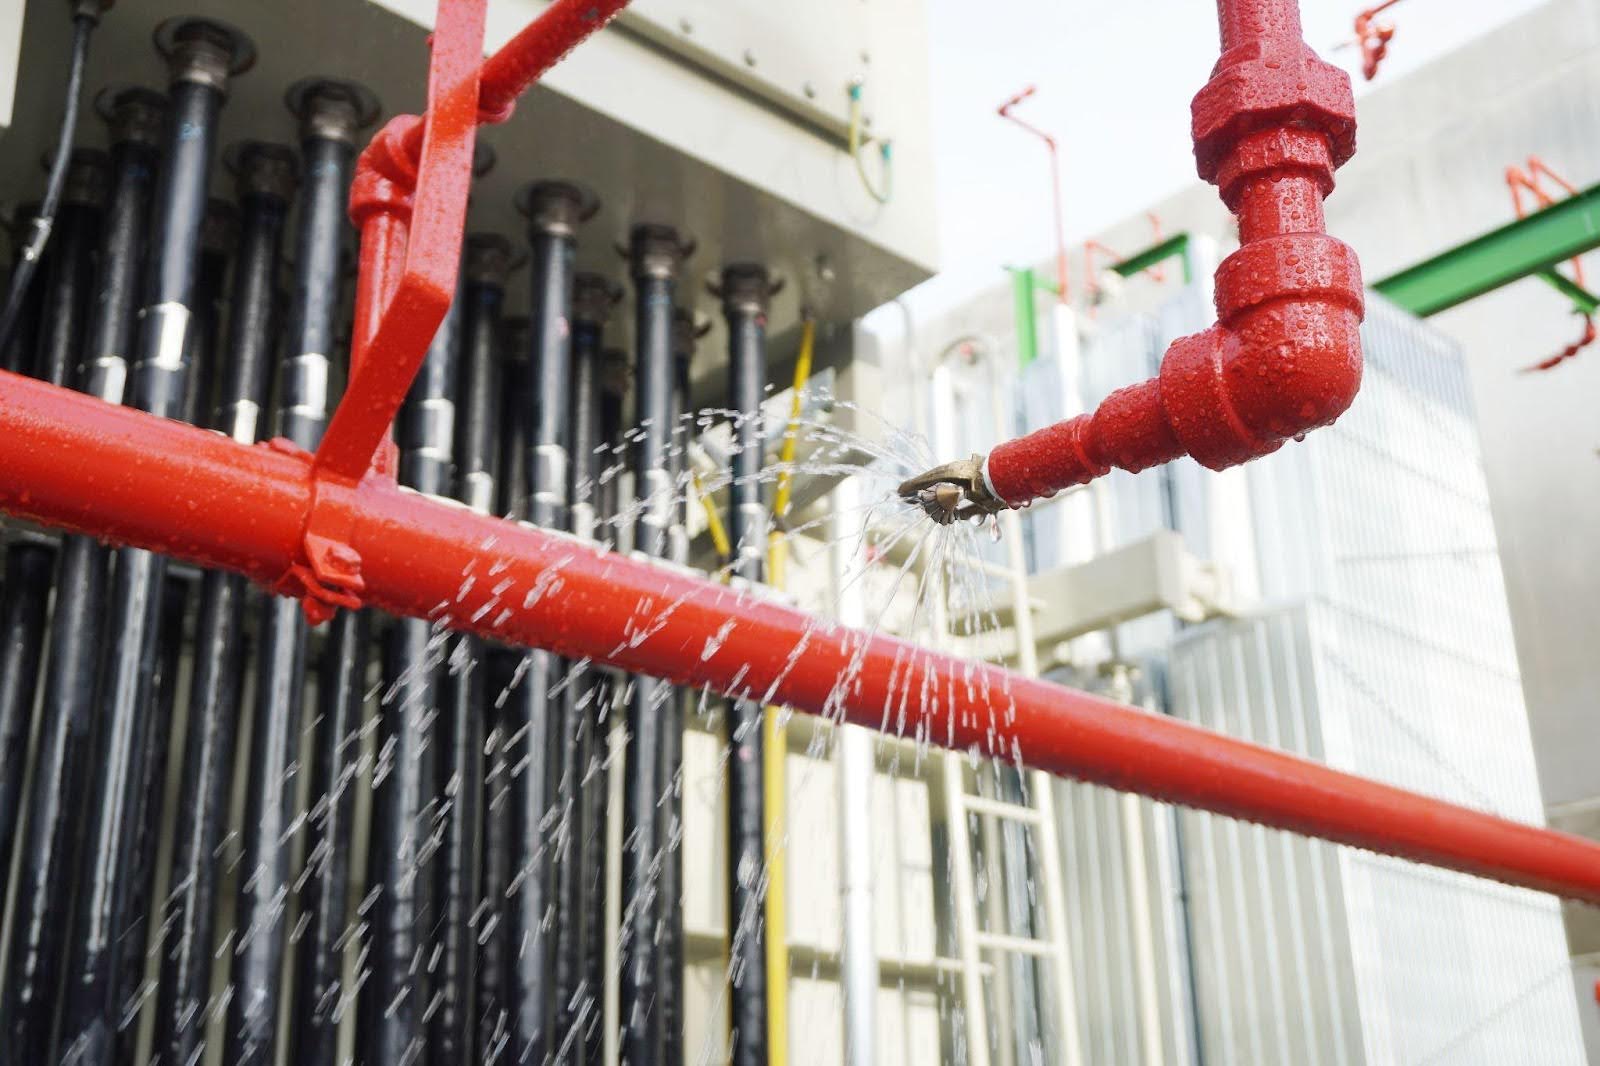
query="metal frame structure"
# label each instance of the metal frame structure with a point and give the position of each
(1532, 245)
(336, 531)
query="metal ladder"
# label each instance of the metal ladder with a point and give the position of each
(1039, 814)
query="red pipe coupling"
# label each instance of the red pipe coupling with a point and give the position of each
(1284, 357)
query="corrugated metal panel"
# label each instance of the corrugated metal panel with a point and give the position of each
(1310, 953)
(1095, 827)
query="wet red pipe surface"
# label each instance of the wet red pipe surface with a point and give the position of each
(78, 463)
(1270, 128)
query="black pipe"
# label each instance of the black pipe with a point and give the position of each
(218, 237)
(69, 277)
(215, 698)
(746, 292)
(405, 795)
(29, 564)
(576, 1001)
(487, 261)
(266, 176)
(613, 388)
(656, 254)
(16, 354)
(685, 334)
(512, 482)
(330, 113)
(24, 602)
(490, 1003)
(616, 378)
(531, 722)
(492, 1011)
(41, 905)
(201, 56)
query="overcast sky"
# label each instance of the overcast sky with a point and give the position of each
(1114, 80)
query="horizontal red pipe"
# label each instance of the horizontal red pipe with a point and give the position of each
(73, 461)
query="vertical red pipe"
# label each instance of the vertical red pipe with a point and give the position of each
(1242, 21)
(1270, 127)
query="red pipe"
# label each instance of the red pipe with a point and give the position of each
(1005, 112)
(113, 472)
(1285, 355)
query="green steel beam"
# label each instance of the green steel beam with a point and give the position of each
(1177, 244)
(1022, 287)
(1529, 246)
(1586, 302)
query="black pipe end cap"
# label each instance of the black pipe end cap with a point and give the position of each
(263, 168)
(557, 204)
(240, 49)
(656, 250)
(489, 257)
(593, 297)
(135, 113)
(88, 180)
(297, 98)
(745, 286)
(688, 326)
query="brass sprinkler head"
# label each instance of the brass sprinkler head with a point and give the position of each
(952, 492)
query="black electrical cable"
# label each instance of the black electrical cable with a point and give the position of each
(330, 114)
(85, 16)
(746, 291)
(201, 54)
(43, 894)
(656, 256)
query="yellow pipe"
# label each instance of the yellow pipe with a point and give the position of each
(775, 737)
(719, 532)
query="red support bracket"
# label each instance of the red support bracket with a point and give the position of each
(409, 200)
(418, 204)
(411, 207)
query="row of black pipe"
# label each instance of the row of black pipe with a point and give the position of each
(481, 927)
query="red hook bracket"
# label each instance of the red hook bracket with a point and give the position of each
(409, 200)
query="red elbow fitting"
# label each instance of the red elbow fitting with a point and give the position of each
(1285, 354)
